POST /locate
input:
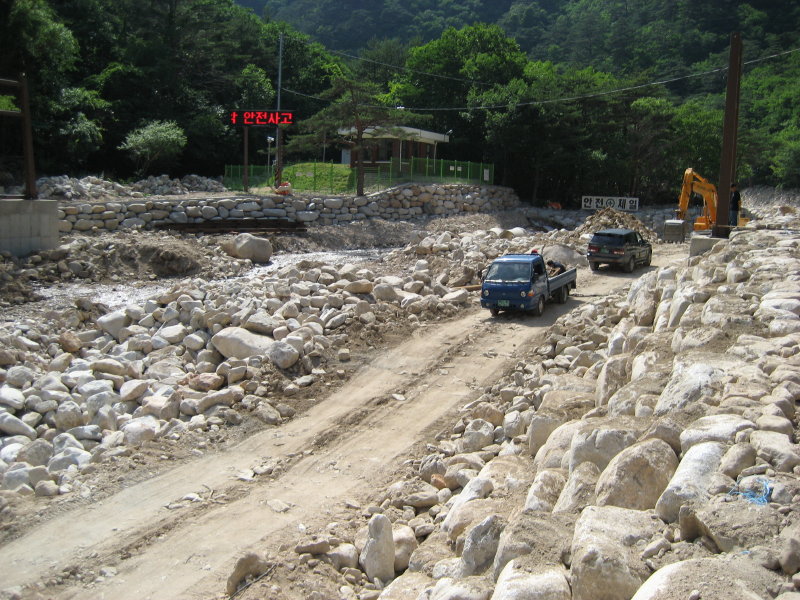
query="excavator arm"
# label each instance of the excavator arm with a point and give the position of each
(694, 183)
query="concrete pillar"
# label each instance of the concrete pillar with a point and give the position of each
(27, 226)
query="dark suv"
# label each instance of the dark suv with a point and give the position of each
(623, 247)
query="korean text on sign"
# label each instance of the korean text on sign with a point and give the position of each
(617, 202)
(261, 117)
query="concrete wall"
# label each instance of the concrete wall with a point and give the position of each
(27, 226)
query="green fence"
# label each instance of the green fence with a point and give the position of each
(257, 176)
(341, 179)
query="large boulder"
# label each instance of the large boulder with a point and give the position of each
(544, 583)
(543, 539)
(606, 564)
(378, 557)
(691, 480)
(777, 449)
(283, 355)
(636, 477)
(545, 490)
(248, 246)
(237, 342)
(733, 576)
(693, 380)
(714, 428)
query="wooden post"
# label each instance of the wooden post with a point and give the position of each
(24, 114)
(727, 167)
(27, 136)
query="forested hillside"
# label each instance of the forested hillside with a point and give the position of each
(618, 36)
(565, 98)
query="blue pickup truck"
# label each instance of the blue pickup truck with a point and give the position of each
(520, 282)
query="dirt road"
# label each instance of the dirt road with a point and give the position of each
(339, 452)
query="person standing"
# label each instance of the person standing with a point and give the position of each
(736, 200)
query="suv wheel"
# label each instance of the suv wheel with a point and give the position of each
(630, 265)
(649, 258)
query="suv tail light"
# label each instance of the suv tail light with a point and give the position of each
(619, 251)
(593, 248)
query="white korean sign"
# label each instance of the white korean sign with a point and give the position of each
(618, 202)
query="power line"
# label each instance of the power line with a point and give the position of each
(570, 98)
(776, 55)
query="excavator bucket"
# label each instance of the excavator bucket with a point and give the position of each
(675, 230)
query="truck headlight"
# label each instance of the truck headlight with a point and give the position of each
(485, 292)
(523, 294)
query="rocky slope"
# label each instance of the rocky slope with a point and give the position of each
(647, 449)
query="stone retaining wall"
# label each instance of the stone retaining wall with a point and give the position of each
(401, 203)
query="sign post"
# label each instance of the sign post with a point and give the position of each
(246, 174)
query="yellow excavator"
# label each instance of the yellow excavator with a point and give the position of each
(694, 183)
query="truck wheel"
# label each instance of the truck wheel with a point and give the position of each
(630, 265)
(494, 311)
(539, 308)
(563, 294)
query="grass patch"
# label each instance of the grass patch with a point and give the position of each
(321, 177)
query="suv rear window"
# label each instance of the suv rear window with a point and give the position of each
(605, 239)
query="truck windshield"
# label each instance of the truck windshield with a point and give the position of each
(509, 272)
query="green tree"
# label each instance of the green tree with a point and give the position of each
(443, 74)
(697, 135)
(76, 129)
(381, 59)
(552, 139)
(255, 88)
(354, 108)
(650, 139)
(33, 40)
(156, 142)
(785, 163)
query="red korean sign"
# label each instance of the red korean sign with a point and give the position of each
(261, 117)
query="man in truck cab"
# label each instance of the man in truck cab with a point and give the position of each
(555, 268)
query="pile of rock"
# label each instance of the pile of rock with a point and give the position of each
(609, 218)
(87, 188)
(775, 208)
(164, 186)
(95, 188)
(84, 388)
(127, 256)
(647, 449)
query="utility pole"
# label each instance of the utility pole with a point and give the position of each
(727, 166)
(246, 151)
(278, 132)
